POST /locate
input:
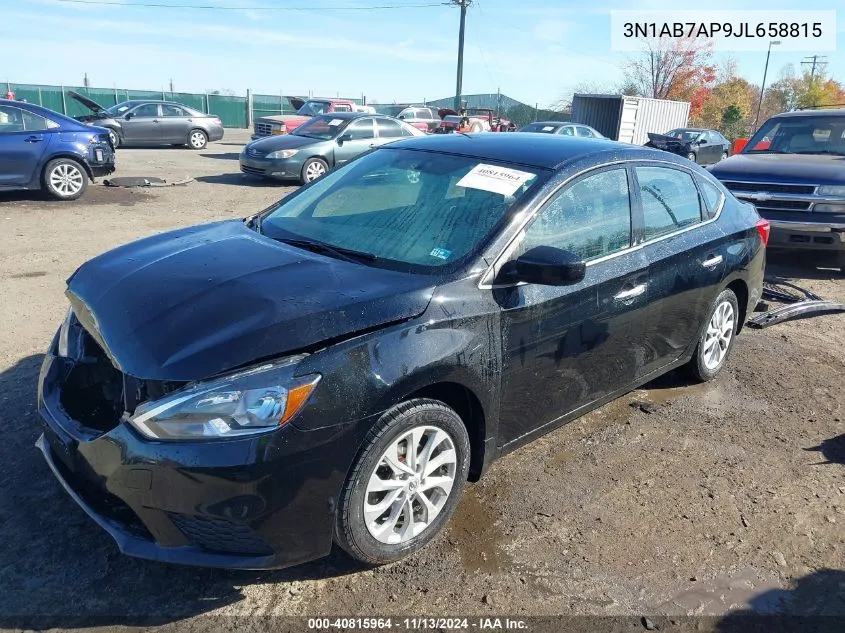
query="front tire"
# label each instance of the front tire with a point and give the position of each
(65, 179)
(691, 156)
(197, 139)
(114, 137)
(405, 482)
(313, 169)
(724, 155)
(716, 342)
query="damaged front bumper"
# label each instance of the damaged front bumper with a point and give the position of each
(251, 503)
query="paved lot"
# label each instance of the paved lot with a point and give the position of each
(725, 496)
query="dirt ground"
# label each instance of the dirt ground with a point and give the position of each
(728, 496)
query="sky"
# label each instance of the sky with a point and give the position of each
(536, 51)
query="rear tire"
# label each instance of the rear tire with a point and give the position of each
(405, 482)
(716, 342)
(197, 139)
(64, 179)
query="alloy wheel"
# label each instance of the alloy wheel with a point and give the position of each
(66, 179)
(410, 484)
(718, 337)
(314, 171)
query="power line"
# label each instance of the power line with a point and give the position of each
(161, 5)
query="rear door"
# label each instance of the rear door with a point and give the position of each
(142, 124)
(174, 124)
(389, 130)
(686, 255)
(567, 346)
(24, 136)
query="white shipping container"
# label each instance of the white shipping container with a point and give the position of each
(629, 119)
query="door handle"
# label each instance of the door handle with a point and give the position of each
(627, 295)
(712, 261)
(33, 139)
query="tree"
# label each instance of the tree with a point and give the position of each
(671, 68)
(732, 92)
(733, 123)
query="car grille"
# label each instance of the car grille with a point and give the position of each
(220, 535)
(263, 129)
(764, 187)
(778, 205)
(252, 170)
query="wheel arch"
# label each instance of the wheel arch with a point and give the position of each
(69, 155)
(740, 288)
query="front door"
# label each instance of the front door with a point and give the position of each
(361, 137)
(174, 124)
(686, 260)
(565, 347)
(23, 138)
(141, 124)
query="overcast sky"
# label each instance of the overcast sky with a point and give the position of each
(533, 50)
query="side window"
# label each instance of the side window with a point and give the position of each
(147, 110)
(712, 198)
(567, 131)
(342, 107)
(591, 217)
(172, 110)
(670, 200)
(389, 129)
(584, 131)
(361, 129)
(11, 119)
(33, 122)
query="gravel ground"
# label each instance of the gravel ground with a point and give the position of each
(728, 496)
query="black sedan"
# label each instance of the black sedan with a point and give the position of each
(336, 367)
(704, 147)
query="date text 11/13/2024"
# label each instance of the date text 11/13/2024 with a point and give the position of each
(416, 624)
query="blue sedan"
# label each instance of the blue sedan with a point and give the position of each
(44, 150)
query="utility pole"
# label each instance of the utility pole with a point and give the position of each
(85, 81)
(763, 87)
(458, 88)
(171, 86)
(817, 60)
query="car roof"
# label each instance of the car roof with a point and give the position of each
(814, 112)
(539, 150)
(556, 123)
(346, 115)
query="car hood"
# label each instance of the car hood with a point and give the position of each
(283, 141)
(291, 121)
(192, 303)
(668, 143)
(92, 105)
(783, 168)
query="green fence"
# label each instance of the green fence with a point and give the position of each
(232, 110)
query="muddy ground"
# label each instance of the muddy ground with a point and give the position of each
(724, 496)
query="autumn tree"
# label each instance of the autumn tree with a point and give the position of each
(673, 68)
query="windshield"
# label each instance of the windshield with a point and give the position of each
(546, 128)
(684, 135)
(408, 210)
(313, 108)
(322, 127)
(120, 108)
(800, 135)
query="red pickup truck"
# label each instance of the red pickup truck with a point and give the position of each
(305, 109)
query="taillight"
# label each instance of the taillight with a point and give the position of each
(764, 228)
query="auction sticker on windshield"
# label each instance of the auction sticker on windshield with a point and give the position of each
(494, 179)
(335, 122)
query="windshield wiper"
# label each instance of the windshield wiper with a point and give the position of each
(347, 254)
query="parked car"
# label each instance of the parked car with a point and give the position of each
(322, 143)
(561, 127)
(704, 147)
(421, 117)
(152, 123)
(334, 368)
(480, 120)
(792, 171)
(42, 149)
(278, 124)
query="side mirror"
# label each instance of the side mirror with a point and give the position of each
(343, 138)
(128, 116)
(546, 266)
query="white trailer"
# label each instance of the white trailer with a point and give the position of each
(629, 119)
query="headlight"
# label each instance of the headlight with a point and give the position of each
(282, 153)
(829, 208)
(250, 402)
(832, 190)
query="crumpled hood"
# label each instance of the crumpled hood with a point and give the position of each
(669, 143)
(783, 168)
(291, 121)
(192, 303)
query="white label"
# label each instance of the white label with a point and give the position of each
(335, 122)
(548, 128)
(495, 179)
